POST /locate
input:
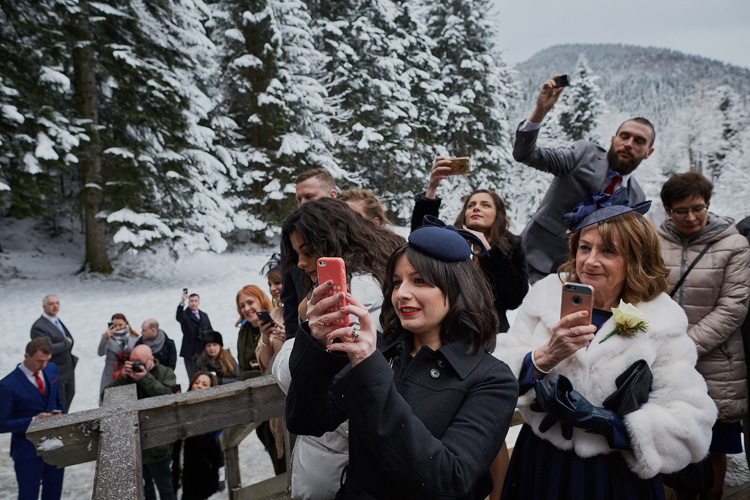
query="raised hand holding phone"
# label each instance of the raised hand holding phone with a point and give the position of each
(333, 269)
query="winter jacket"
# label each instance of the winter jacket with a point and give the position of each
(206, 364)
(669, 431)
(158, 382)
(715, 298)
(421, 428)
(200, 472)
(192, 327)
(506, 273)
(114, 357)
(247, 342)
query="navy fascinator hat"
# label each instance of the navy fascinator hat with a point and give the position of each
(598, 207)
(443, 241)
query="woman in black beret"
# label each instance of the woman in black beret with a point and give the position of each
(428, 405)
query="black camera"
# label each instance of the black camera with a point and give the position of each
(138, 366)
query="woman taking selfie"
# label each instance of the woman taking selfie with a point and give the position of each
(609, 395)
(483, 214)
(328, 227)
(428, 409)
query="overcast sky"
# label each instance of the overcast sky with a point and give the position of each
(718, 29)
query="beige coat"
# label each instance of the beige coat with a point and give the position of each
(715, 298)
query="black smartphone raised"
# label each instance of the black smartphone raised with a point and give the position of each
(184, 290)
(264, 317)
(109, 325)
(561, 81)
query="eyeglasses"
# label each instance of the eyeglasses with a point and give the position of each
(682, 212)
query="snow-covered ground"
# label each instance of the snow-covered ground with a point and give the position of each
(144, 286)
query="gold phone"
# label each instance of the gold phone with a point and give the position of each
(460, 166)
(577, 297)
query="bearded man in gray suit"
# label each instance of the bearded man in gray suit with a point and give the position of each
(582, 169)
(51, 328)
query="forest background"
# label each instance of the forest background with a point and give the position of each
(181, 124)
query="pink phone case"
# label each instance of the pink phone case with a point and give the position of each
(332, 268)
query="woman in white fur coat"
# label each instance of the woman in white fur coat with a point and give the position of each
(577, 441)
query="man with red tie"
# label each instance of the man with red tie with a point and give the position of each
(29, 392)
(582, 169)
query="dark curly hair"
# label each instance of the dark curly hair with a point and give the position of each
(471, 311)
(334, 230)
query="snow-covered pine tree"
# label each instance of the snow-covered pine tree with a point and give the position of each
(37, 132)
(727, 165)
(477, 85)
(380, 71)
(582, 104)
(271, 111)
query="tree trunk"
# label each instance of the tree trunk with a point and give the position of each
(87, 101)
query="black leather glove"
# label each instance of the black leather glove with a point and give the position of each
(570, 408)
(633, 388)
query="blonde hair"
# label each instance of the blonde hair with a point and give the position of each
(372, 204)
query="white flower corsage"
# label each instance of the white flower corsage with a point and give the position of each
(628, 321)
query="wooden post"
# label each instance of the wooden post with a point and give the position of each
(118, 468)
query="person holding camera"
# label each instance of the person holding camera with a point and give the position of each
(151, 379)
(580, 169)
(118, 340)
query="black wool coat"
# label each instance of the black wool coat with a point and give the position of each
(421, 428)
(192, 327)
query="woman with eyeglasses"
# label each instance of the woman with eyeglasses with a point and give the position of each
(714, 294)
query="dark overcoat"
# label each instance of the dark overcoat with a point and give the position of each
(421, 428)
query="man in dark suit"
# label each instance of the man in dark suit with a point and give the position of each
(582, 169)
(50, 327)
(161, 346)
(29, 392)
(193, 322)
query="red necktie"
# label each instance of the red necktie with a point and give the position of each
(613, 185)
(39, 382)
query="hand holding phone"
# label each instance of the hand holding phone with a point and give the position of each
(460, 166)
(264, 317)
(577, 297)
(332, 268)
(562, 81)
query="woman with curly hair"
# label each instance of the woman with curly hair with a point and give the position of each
(330, 228)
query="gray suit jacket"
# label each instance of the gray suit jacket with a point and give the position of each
(62, 354)
(579, 170)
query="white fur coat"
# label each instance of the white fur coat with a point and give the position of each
(671, 430)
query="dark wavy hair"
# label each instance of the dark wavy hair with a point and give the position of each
(334, 230)
(471, 311)
(498, 233)
(632, 236)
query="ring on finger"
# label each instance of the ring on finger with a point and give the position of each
(278, 330)
(320, 323)
(355, 333)
(574, 331)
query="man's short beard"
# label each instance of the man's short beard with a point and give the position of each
(621, 167)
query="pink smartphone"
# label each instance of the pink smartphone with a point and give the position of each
(332, 268)
(577, 297)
